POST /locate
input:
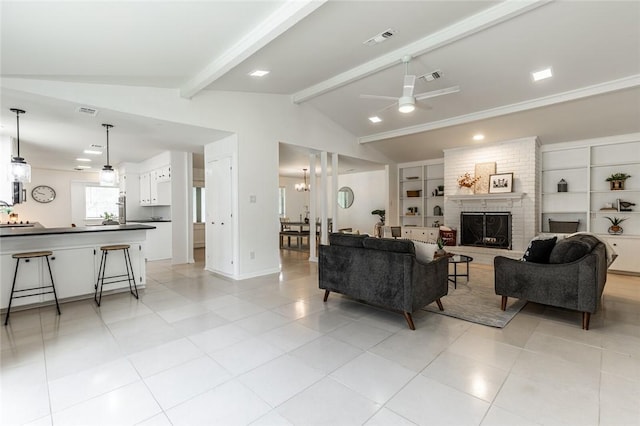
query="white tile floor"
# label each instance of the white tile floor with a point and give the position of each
(199, 349)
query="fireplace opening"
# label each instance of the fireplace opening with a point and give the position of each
(486, 229)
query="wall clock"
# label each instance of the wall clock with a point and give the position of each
(43, 194)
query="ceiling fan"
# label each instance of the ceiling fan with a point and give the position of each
(407, 102)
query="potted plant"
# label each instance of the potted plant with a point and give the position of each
(617, 180)
(440, 251)
(466, 183)
(615, 227)
(377, 229)
(109, 219)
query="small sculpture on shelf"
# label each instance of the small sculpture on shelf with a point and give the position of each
(624, 206)
(615, 227)
(563, 186)
(616, 180)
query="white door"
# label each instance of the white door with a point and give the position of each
(219, 227)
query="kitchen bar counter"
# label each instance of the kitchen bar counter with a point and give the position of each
(21, 231)
(75, 260)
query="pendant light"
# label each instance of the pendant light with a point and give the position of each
(107, 174)
(20, 171)
(303, 186)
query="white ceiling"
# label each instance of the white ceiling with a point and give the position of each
(315, 52)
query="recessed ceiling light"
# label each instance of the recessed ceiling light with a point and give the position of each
(478, 137)
(542, 74)
(92, 152)
(82, 167)
(259, 73)
(375, 119)
(84, 160)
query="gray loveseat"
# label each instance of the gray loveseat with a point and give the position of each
(381, 271)
(573, 279)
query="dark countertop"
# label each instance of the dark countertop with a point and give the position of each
(147, 220)
(28, 231)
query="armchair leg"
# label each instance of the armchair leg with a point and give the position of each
(407, 316)
(586, 316)
(326, 295)
(439, 304)
(503, 304)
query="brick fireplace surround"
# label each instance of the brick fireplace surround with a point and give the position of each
(520, 156)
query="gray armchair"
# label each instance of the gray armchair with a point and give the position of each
(573, 279)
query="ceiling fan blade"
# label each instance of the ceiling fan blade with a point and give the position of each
(387, 98)
(434, 93)
(409, 85)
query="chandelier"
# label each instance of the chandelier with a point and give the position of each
(303, 186)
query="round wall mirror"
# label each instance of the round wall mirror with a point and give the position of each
(345, 197)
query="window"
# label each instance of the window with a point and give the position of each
(282, 201)
(100, 200)
(198, 205)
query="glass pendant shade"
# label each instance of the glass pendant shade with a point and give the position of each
(108, 176)
(19, 171)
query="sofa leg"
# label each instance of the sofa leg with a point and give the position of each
(326, 295)
(503, 304)
(586, 316)
(439, 304)
(407, 316)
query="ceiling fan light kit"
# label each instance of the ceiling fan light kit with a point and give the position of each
(407, 102)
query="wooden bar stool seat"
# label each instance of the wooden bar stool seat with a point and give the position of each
(103, 280)
(32, 291)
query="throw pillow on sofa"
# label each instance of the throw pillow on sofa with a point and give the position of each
(573, 248)
(425, 251)
(539, 250)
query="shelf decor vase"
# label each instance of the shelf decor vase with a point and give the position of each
(465, 190)
(616, 185)
(615, 230)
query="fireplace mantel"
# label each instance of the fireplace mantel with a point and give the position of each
(484, 199)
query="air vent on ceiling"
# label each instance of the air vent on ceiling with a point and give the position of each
(379, 38)
(430, 76)
(96, 145)
(87, 110)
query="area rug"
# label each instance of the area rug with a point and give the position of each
(476, 301)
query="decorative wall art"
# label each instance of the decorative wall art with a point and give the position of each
(501, 183)
(483, 171)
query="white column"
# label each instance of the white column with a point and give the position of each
(333, 198)
(313, 256)
(324, 238)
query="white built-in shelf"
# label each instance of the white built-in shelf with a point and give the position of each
(616, 164)
(566, 192)
(613, 212)
(617, 191)
(561, 169)
(484, 198)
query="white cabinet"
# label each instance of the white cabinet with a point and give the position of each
(159, 241)
(72, 270)
(421, 193)
(627, 249)
(155, 187)
(145, 189)
(429, 234)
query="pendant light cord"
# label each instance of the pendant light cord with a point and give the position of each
(18, 112)
(107, 126)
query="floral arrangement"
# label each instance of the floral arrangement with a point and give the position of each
(467, 181)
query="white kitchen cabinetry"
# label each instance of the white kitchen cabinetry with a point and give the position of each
(585, 167)
(155, 187)
(30, 274)
(159, 241)
(421, 195)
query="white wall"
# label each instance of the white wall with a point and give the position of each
(60, 212)
(181, 207)
(295, 201)
(368, 195)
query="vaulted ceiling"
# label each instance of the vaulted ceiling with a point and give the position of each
(316, 54)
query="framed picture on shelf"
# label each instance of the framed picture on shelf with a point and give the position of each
(501, 183)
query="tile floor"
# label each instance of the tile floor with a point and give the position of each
(199, 349)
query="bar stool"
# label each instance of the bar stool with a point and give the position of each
(34, 291)
(130, 278)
